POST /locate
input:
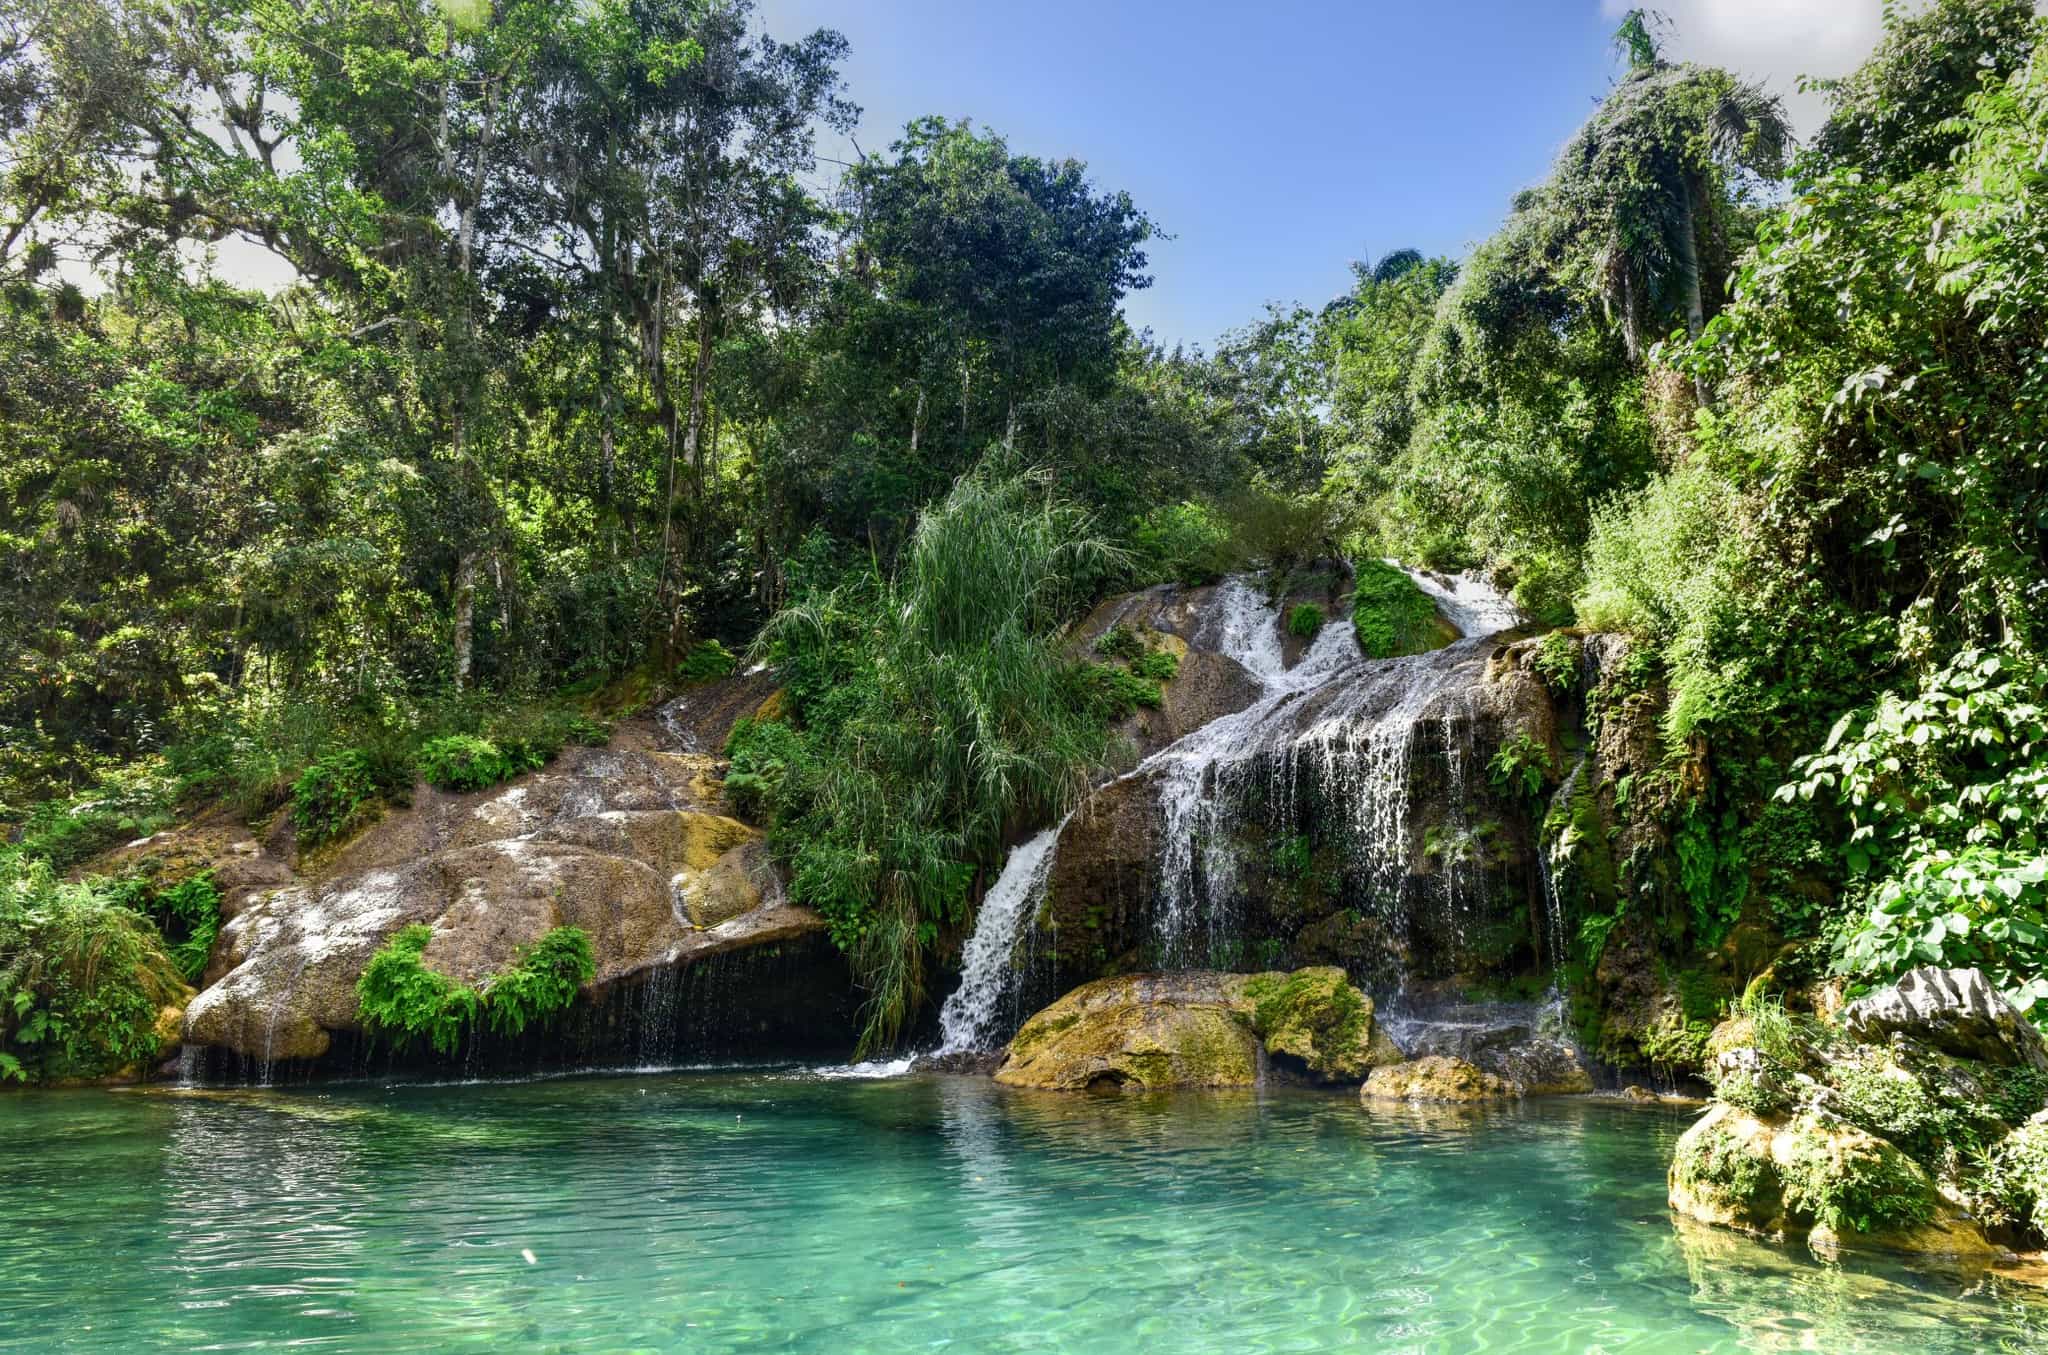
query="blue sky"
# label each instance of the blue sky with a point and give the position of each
(1276, 142)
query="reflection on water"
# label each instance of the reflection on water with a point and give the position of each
(778, 1209)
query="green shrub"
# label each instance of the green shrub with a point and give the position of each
(707, 661)
(940, 713)
(186, 914)
(401, 999)
(1390, 613)
(1118, 692)
(2011, 1180)
(1304, 620)
(762, 754)
(332, 796)
(1120, 642)
(1161, 665)
(464, 762)
(70, 831)
(541, 982)
(1520, 766)
(1866, 1186)
(82, 977)
(1183, 542)
(1556, 662)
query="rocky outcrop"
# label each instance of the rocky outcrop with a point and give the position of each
(1435, 1078)
(1870, 1135)
(1956, 1011)
(629, 842)
(1151, 1032)
(1817, 1175)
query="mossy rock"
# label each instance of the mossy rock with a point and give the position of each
(1198, 1029)
(1315, 1016)
(1438, 1078)
(1817, 1175)
(1144, 1032)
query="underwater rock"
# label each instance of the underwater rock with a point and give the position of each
(1956, 1011)
(1436, 1077)
(1196, 1029)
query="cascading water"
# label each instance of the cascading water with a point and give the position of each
(1337, 728)
(969, 1016)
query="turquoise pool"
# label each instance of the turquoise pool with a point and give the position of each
(778, 1209)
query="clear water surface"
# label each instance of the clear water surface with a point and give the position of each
(776, 1209)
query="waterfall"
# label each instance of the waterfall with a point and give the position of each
(968, 1017)
(1337, 726)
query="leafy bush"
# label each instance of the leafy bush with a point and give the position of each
(1390, 613)
(67, 832)
(541, 982)
(401, 999)
(1520, 766)
(1161, 665)
(1556, 662)
(1117, 693)
(464, 762)
(186, 914)
(1120, 642)
(937, 712)
(1304, 620)
(707, 661)
(763, 753)
(82, 977)
(1183, 542)
(332, 796)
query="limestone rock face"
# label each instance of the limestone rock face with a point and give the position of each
(1196, 1029)
(1436, 1077)
(1956, 1011)
(629, 842)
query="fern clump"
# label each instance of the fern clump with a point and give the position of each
(401, 999)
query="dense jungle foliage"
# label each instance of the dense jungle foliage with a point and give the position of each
(587, 383)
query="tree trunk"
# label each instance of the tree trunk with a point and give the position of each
(1689, 264)
(465, 617)
(700, 384)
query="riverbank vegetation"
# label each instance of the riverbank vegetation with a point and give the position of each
(586, 385)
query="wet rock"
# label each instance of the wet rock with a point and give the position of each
(1317, 1018)
(1142, 1031)
(1817, 1175)
(1197, 1029)
(1436, 1077)
(1956, 1011)
(1521, 1046)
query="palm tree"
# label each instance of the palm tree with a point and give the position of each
(1649, 168)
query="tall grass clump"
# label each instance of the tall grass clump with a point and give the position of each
(936, 713)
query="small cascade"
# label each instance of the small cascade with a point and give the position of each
(1338, 745)
(968, 1019)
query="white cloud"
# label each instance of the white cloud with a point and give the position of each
(1773, 42)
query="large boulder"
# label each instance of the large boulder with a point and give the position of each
(630, 843)
(1196, 1029)
(1956, 1011)
(1817, 1175)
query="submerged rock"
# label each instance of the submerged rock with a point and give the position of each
(1436, 1077)
(1196, 1029)
(1954, 1010)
